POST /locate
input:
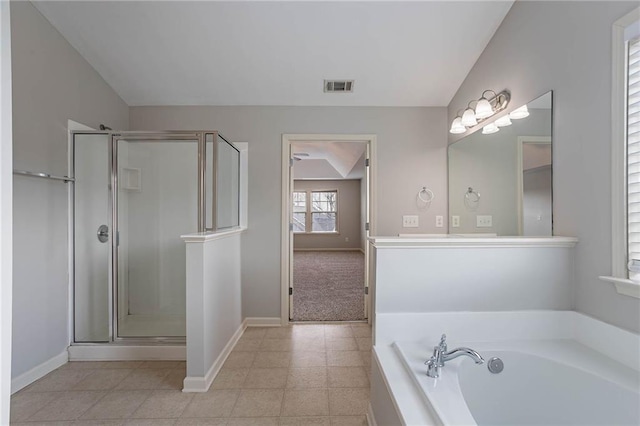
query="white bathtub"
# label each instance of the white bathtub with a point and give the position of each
(552, 359)
(544, 382)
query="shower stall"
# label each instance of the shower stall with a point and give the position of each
(134, 195)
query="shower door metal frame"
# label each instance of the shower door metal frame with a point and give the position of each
(113, 138)
(72, 212)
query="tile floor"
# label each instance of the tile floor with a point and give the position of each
(311, 374)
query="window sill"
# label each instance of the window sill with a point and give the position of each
(624, 286)
(316, 233)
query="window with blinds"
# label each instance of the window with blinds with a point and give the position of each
(633, 157)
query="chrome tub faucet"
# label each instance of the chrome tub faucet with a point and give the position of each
(441, 355)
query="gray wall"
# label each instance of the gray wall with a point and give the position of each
(348, 215)
(51, 84)
(411, 149)
(566, 47)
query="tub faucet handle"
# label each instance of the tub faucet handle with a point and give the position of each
(443, 343)
(434, 363)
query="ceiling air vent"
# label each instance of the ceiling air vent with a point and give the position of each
(338, 86)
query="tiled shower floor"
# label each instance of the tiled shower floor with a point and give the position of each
(300, 375)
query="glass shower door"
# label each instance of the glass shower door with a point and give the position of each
(157, 203)
(92, 238)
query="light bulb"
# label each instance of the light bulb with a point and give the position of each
(469, 118)
(483, 109)
(457, 127)
(518, 113)
(503, 121)
(490, 128)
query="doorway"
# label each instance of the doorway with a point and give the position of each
(317, 220)
(534, 185)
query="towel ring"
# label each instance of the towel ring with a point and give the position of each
(471, 198)
(425, 195)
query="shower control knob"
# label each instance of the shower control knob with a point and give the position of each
(103, 233)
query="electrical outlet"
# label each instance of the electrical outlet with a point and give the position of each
(455, 221)
(484, 221)
(409, 221)
(439, 221)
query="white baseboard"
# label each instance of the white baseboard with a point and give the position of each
(371, 419)
(202, 384)
(262, 322)
(39, 371)
(127, 353)
(329, 249)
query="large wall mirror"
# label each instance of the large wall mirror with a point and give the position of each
(501, 183)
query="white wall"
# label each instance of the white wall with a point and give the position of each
(52, 83)
(437, 279)
(411, 153)
(566, 47)
(214, 307)
(6, 166)
(348, 215)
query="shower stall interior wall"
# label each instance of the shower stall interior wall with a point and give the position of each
(134, 195)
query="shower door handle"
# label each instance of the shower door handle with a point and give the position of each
(103, 233)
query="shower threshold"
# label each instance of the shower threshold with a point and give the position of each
(170, 326)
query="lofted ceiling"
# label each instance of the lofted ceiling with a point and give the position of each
(328, 160)
(279, 53)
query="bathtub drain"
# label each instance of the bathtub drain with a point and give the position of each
(495, 365)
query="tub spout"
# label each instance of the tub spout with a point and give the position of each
(441, 355)
(475, 356)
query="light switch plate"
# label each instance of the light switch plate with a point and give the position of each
(439, 221)
(410, 221)
(455, 221)
(484, 221)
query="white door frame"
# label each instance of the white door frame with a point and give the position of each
(287, 240)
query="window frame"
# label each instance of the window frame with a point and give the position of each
(619, 242)
(309, 212)
(306, 210)
(633, 273)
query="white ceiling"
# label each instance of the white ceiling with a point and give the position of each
(279, 53)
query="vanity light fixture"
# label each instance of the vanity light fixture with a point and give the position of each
(469, 117)
(485, 108)
(503, 121)
(490, 128)
(457, 127)
(519, 113)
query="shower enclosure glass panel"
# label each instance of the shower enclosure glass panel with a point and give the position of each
(227, 185)
(135, 194)
(92, 240)
(157, 202)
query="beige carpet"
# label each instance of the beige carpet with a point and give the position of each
(328, 286)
